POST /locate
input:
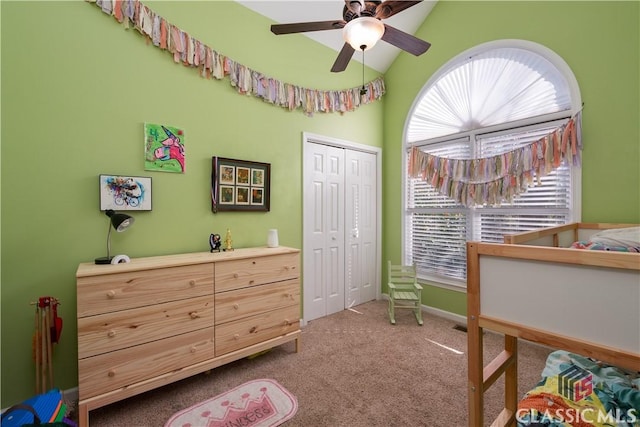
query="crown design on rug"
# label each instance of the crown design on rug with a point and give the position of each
(257, 403)
(248, 412)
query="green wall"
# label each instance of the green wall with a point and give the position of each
(600, 43)
(76, 90)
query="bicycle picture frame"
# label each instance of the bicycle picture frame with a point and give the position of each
(125, 193)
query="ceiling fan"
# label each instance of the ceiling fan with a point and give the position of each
(362, 17)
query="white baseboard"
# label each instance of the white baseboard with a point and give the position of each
(458, 318)
(462, 320)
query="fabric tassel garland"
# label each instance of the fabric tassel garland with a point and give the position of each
(195, 54)
(500, 178)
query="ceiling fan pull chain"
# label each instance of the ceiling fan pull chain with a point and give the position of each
(363, 91)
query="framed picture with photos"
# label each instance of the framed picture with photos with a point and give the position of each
(240, 185)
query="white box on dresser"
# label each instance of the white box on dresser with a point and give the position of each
(157, 320)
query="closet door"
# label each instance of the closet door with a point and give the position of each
(324, 232)
(360, 227)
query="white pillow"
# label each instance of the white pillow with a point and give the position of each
(629, 237)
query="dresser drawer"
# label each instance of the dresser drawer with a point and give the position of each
(239, 303)
(114, 331)
(243, 273)
(252, 330)
(121, 291)
(111, 371)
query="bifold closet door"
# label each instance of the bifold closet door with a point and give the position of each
(324, 230)
(360, 227)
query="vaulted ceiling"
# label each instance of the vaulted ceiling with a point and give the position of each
(379, 57)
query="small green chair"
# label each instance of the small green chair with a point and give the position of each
(404, 290)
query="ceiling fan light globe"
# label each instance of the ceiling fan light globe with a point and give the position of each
(364, 31)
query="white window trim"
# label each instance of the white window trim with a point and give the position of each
(576, 101)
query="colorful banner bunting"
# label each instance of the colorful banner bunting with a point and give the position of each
(493, 180)
(211, 64)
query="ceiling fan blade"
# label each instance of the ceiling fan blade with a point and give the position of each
(343, 58)
(302, 27)
(391, 7)
(405, 41)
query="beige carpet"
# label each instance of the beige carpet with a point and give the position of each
(355, 369)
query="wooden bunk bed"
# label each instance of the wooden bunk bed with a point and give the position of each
(536, 288)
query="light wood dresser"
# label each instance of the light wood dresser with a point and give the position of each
(157, 320)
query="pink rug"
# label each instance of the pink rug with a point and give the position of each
(258, 403)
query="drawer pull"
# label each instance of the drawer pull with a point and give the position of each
(251, 282)
(290, 296)
(254, 263)
(236, 275)
(111, 333)
(236, 306)
(286, 322)
(192, 282)
(286, 267)
(194, 315)
(111, 373)
(236, 337)
(193, 349)
(253, 329)
(111, 294)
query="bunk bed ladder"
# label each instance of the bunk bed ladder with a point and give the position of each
(506, 363)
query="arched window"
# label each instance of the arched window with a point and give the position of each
(487, 101)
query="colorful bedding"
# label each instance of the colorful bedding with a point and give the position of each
(577, 391)
(594, 246)
(617, 239)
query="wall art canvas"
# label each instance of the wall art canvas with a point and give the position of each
(164, 148)
(239, 185)
(122, 193)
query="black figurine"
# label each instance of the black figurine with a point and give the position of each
(214, 242)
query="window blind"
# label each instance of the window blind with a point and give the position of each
(495, 102)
